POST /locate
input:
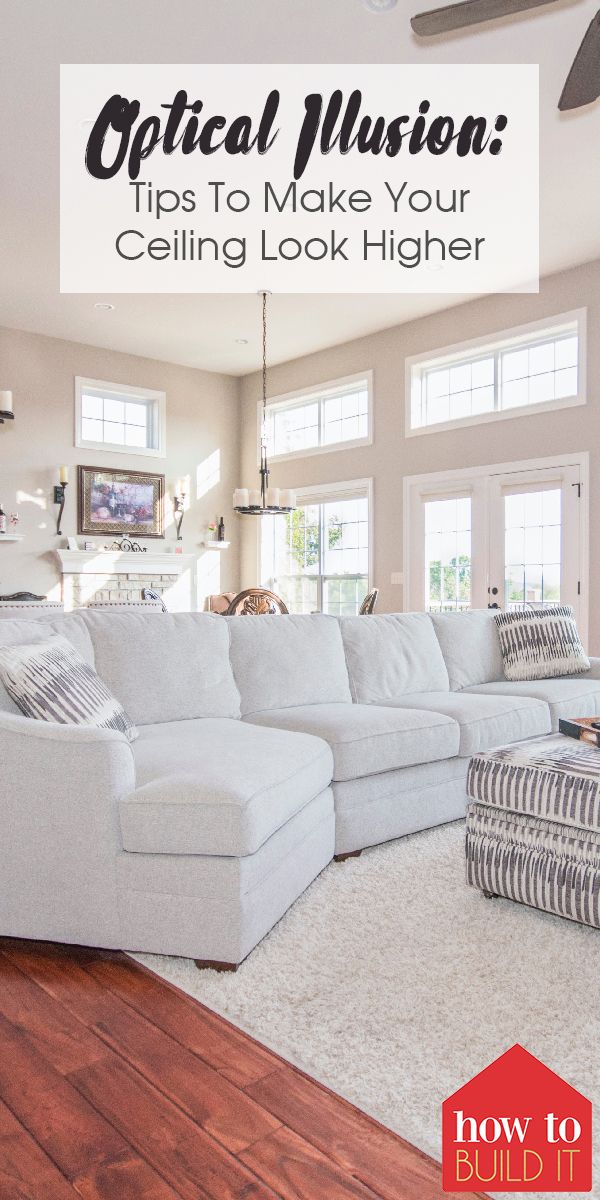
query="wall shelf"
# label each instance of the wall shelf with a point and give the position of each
(11, 537)
(216, 545)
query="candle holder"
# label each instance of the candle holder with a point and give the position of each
(179, 512)
(60, 496)
(6, 415)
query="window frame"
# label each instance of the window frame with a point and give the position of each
(494, 345)
(290, 400)
(157, 402)
(350, 489)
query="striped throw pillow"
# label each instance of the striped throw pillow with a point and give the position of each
(541, 643)
(51, 681)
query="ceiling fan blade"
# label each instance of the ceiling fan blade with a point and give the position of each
(470, 12)
(583, 81)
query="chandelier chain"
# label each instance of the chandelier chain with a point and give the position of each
(264, 349)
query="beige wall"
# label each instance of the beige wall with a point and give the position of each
(202, 442)
(392, 456)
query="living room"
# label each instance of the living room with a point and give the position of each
(299, 660)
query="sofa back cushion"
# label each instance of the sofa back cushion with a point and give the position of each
(391, 655)
(285, 661)
(25, 632)
(165, 666)
(470, 646)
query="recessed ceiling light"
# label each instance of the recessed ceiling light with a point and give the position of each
(379, 6)
(103, 306)
(241, 341)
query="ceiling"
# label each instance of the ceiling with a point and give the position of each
(201, 331)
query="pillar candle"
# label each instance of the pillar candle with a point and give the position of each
(273, 497)
(63, 474)
(241, 498)
(6, 402)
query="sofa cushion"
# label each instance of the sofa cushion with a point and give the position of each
(388, 656)
(470, 646)
(165, 666)
(486, 721)
(283, 661)
(217, 786)
(572, 697)
(368, 738)
(27, 632)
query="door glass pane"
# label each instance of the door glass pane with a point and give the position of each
(447, 554)
(532, 548)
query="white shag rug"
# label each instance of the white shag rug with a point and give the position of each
(393, 982)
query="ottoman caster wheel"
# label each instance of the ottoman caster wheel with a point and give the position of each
(489, 895)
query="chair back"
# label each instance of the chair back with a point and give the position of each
(256, 602)
(369, 602)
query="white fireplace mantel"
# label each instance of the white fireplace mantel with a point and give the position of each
(122, 562)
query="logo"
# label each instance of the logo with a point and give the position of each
(517, 1127)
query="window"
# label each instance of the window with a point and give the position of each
(110, 416)
(317, 558)
(533, 522)
(540, 365)
(336, 414)
(447, 553)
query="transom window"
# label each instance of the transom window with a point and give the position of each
(336, 414)
(524, 369)
(115, 417)
(317, 558)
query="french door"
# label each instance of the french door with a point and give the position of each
(509, 538)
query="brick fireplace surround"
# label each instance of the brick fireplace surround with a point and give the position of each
(102, 576)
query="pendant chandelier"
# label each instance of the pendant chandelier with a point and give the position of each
(264, 500)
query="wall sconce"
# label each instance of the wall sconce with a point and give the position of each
(60, 496)
(6, 407)
(179, 507)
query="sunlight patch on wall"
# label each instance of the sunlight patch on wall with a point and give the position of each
(208, 474)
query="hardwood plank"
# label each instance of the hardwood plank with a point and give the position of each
(234, 1054)
(125, 1178)
(225, 1111)
(379, 1158)
(68, 983)
(26, 1173)
(60, 950)
(183, 1153)
(61, 1039)
(300, 1172)
(72, 1133)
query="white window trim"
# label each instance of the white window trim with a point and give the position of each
(160, 402)
(458, 350)
(320, 494)
(291, 398)
(462, 479)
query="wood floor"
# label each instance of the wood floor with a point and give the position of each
(116, 1086)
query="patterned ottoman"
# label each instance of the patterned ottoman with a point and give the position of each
(533, 826)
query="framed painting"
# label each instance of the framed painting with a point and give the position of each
(120, 502)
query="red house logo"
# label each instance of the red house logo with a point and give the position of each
(517, 1127)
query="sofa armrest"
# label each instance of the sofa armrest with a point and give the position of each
(594, 671)
(59, 828)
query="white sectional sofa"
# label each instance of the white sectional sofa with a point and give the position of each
(266, 746)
